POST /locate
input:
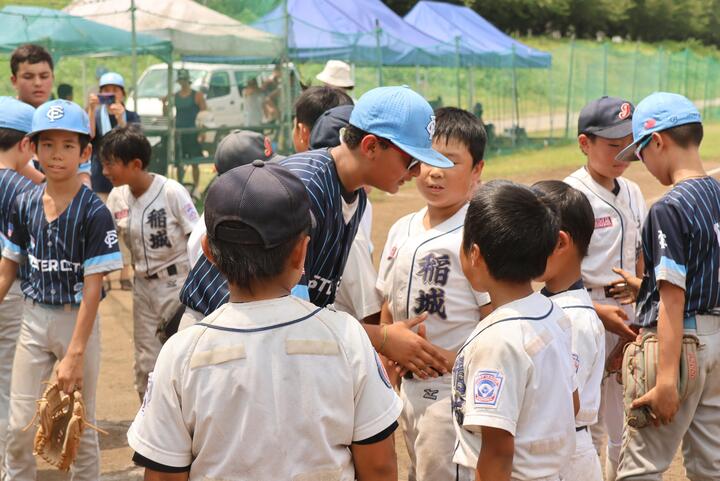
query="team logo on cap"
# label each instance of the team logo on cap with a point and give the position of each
(625, 111)
(649, 123)
(56, 112)
(431, 127)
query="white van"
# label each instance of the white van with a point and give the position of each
(222, 85)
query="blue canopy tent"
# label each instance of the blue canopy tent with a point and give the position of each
(362, 32)
(480, 43)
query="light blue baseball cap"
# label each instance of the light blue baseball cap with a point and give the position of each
(112, 78)
(60, 115)
(403, 117)
(15, 114)
(657, 112)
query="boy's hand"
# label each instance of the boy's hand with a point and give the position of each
(626, 289)
(613, 318)
(662, 401)
(70, 373)
(411, 351)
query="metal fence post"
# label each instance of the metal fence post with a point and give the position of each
(569, 88)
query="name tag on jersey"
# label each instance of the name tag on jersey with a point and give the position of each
(603, 222)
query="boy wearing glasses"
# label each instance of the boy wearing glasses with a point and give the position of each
(420, 272)
(604, 129)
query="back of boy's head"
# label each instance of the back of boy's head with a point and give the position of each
(255, 215)
(452, 123)
(125, 144)
(241, 147)
(514, 228)
(61, 115)
(573, 209)
(15, 122)
(31, 54)
(311, 104)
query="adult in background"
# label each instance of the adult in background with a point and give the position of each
(188, 104)
(107, 111)
(65, 92)
(337, 74)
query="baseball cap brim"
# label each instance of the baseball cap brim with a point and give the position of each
(615, 132)
(65, 129)
(628, 153)
(426, 156)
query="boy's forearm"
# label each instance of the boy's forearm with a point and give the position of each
(385, 314)
(493, 466)
(375, 462)
(87, 313)
(670, 332)
(151, 475)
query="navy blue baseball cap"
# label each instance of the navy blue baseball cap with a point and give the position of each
(258, 204)
(15, 114)
(657, 112)
(606, 117)
(403, 117)
(326, 131)
(60, 115)
(241, 147)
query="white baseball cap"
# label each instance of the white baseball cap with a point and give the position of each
(336, 74)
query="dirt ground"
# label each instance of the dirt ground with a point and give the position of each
(118, 402)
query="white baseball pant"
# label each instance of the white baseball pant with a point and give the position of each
(155, 302)
(11, 311)
(584, 464)
(44, 338)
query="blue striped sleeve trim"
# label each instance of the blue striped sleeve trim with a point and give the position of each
(670, 271)
(103, 263)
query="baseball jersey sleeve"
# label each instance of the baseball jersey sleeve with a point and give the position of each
(387, 260)
(102, 253)
(376, 404)
(498, 373)
(182, 206)
(85, 168)
(589, 347)
(17, 236)
(159, 432)
(669, 231)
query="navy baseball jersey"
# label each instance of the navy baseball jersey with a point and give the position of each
(336, 222)
(11, 185)
(681, 245)
(81, 241)
(205, 288)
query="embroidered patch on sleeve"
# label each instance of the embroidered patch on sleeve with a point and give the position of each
(486, 388)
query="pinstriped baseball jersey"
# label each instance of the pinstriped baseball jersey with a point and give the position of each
(336, 222)
(11, 185)
(82, 240)
(681, 245)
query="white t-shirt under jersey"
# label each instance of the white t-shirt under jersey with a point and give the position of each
(267, 390)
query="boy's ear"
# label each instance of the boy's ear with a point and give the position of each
(584, 143)
(369, 146)
(33, 146)
(86, 153)
(137, 163)
(659, 140)
(204, 243)
(297, 256)
(476, 172)
(564, 241)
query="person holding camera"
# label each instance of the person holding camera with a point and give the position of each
(107, 111)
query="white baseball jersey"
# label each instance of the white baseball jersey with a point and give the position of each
(155, 225)
(194, 246)
(304, 378)
(618, 220)
(420, 272)
(357, 294)
(518, 365)
(588, 350)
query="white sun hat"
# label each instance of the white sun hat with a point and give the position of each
(336, 74)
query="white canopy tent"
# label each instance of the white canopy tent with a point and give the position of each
(192, 28)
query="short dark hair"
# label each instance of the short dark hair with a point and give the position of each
(514, 228)
(686, 135)
(83, 139)
(352, 136)
(462, 126)
(573, 209)
(311, 104)
(9, 138)
(126, 144)
(241, 265)
(30, 53)
(64, 91)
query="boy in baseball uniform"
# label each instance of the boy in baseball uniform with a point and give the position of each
(516, 421)
(680, 293)
(257, 358)
(68, 238)
(15, 123)
(604, 129)
(420, 272)
(155, 215)
(564, 285)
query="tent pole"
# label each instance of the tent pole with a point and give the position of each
(285, 92)
(516, 107)
(569, 88)
(134, 53)
(378, 33)
(171, 123)
(605, 68)
(471, 88)
(457, 68)
(84, 81)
